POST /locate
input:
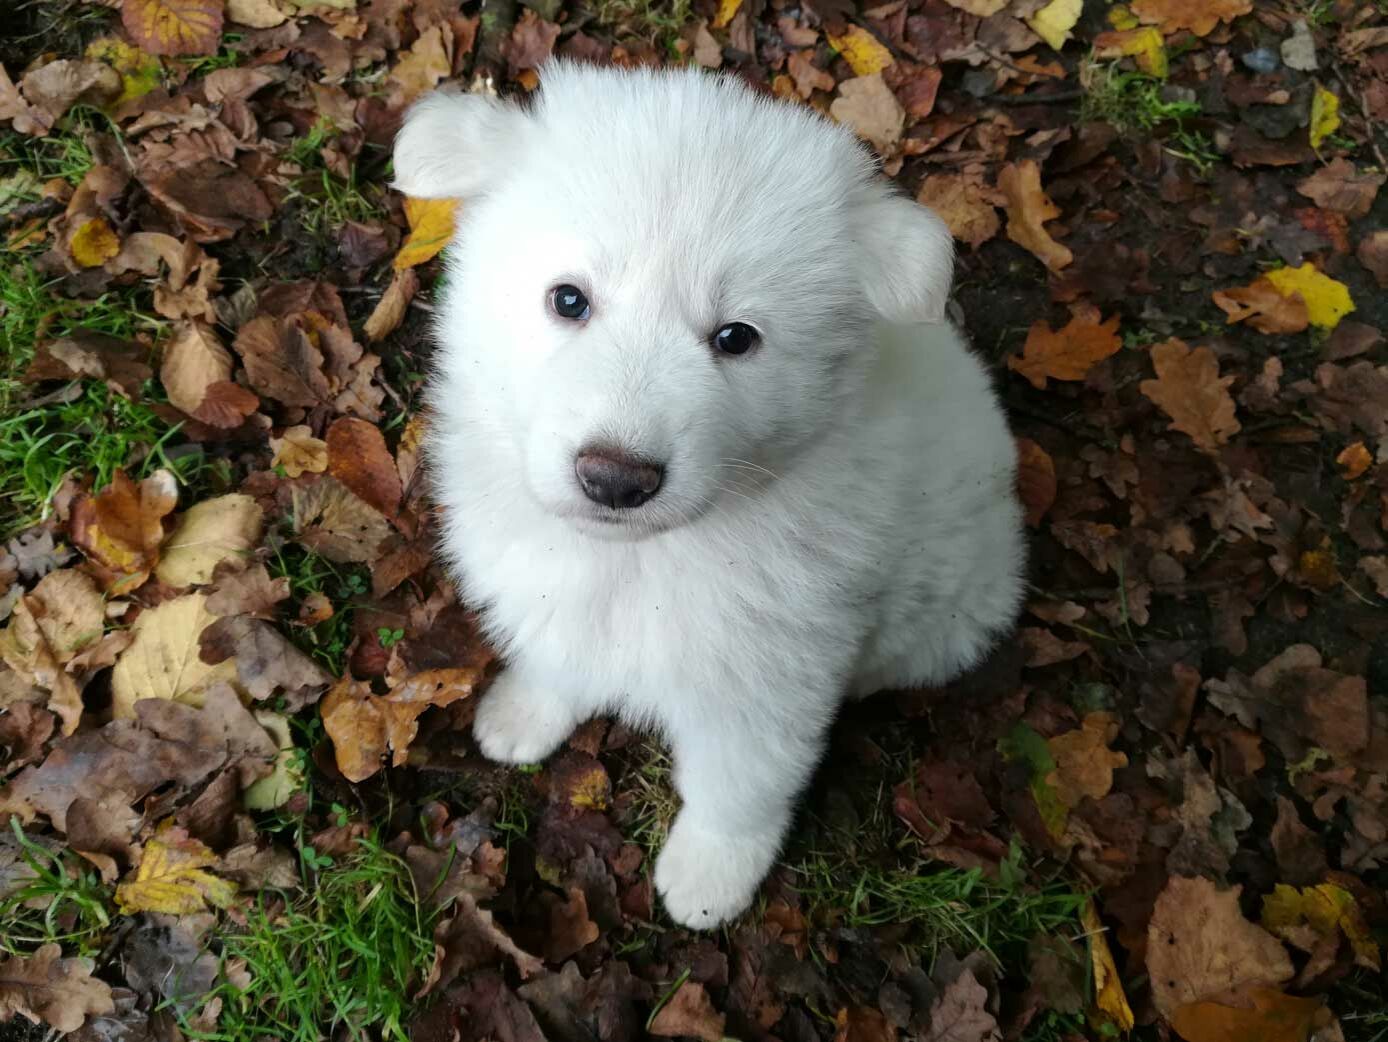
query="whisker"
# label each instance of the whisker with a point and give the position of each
(753, 466)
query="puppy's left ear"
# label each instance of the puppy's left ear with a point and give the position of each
(453, 145)
(908, 259)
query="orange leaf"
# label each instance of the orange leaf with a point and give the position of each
(1036, 484)
(358, 457)
(94, 243)
(1199, 16)
(1070, 352)
(173, 26)
(121, 527)
(1028, 209)
(1263, 307)
(1354, 460)
(1188, 388)
(1264, 1015)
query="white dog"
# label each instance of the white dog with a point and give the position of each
(708, 453)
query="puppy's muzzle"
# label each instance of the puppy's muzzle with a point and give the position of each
(616, 479)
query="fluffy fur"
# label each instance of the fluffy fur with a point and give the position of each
(838, 513)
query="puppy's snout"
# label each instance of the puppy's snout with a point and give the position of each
(616, 479)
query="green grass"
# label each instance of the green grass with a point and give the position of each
(341, 959)
(61, 901)
(658, 21)
(1129, 101)
(327, 200)
(649, 799)
(344, 585)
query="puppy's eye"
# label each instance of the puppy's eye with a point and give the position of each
(569, 302)
(736, 338)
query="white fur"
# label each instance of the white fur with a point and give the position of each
(838, 512)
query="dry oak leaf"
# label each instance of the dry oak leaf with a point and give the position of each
(688, 1013)
(1199, 16)
(162, 660)
(1199, 945)
(1189, 389)
(867, 105)
(964, 204)
(390, 309)
(194, 360)
(1036, 480)
(1070, 352)
(46, 988)
(121, 528)
(1028, 209)
(429, 59)
(961, 1014)
(1253, 1014)
(1084, 764)
(173, 27)
(1338, 186)
(358, 457)
(48, 629)
(172, 878)
(431, 228)
(215, 530)
(808, 77)
(863, 51)
(333, 521)
(298, 452)
(94, 243)
(1263, 307)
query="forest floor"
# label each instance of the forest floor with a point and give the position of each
(239, 796)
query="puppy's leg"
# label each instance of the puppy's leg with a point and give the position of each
(738, 779)
(526, 714)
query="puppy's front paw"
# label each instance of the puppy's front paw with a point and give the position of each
(706, 877)
(519, 724)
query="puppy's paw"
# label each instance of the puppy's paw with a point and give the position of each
(518, 724)
(706, 877)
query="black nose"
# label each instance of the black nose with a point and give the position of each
(615, 479)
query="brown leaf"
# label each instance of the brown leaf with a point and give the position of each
(1199, 946)
(689, 1012)
(863, 1024)
(429, 60)
(1084, 764)
(469, 940)
(1338, 186)
(120, 529)
(1373, 254)
(266, 663)
(531, 42)
(868, 106)
(194, 359)
(1199, 16)
(570, 929)
(226, 405)
(247, 592)
(1028, 209)
(1189, 389)
(173, 27)
(1263, 307)
(299, 452)
(355, 722)
(964, 204)
(1036, 481)
(53, 88)
(1070, 352)
(283, 361)
(807, 76)
(390, 309)
(961, 1014)
(331, 520)
(358, 457)
(48, 989)
(1264, 1014)
(123, 364)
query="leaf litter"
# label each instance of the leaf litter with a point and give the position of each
(230, 690)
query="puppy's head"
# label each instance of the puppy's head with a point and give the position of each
(663, 286)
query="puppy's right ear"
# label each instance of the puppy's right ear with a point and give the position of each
(451, 145)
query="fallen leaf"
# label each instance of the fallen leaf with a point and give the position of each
(1373, 254)
(863, 52)
(1264, 307)
(1199, 16)
(1055, 22)
(298, 452)
(863, 1024)
(689, 1013)
(287, 776)
(727, 11)
(1189, 389)
(172, 878)
(194, 360)
(1340, 187)
(1084, 764)
(1260, 1015)
(1354, 460)
(121, 528)
(333, 521)
(248, 592)
(267, 664)
(431, 228)
(428, 60)
(1108, 985)
(1036, 480)
(222, 529)
(530, 44)
(46, 988)
(1303, 917)
(257, 14)
(390, 309)
(867, 105)
(1146, 45)
(355, 722)
(963, 203)
(173, 27)
(1028, 209)
(94, 243)
(162, 660)
(960, 1014)
(1067, 353)
(1325, 115)
(1327, 301)
(1199, 946)
(358, 457)
(981, 8)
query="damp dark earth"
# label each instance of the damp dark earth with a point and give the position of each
(238, 794)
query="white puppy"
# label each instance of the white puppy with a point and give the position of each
(708, 454)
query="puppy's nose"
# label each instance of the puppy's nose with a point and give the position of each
(615, 479)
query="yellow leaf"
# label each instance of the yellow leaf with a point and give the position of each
(139, 72)
(287, 778)
(1325, 115)
(1327, 301)
(727, 11)
(1054, 21)
(94, 243)
(164, 660)
(170, 877)
(1108, 987)
(1145, 44)
(173, 26)
(431, 227)
(863, 52)
(1324, 909)
(1121, 17)
(299, 452)
(211, 532)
